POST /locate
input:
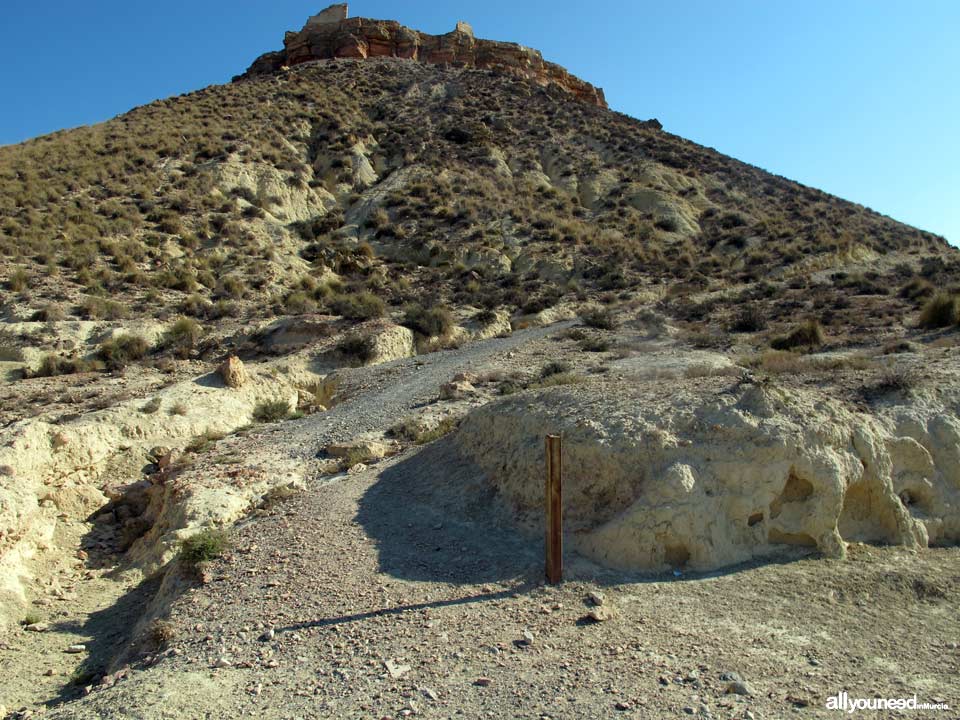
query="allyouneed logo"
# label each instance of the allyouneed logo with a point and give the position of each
(845, 703)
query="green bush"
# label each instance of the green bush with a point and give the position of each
(554, 368)
(809, 334)
(600, 318)
(435, 321)
(53, 365)
(357, 306)
(122, 350)
(181, 337)
(357, 347)
(18, 280)
(204, 546)
(942, 310)
(749, 319)
(98, 309)
(270, 411)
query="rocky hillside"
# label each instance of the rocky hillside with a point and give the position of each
(357, 186)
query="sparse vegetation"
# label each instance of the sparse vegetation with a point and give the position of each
(357, 347)
(413, 430)
(122, 350)
(601, 318)
(151, 406)
(808, 334)
(206, 545)
(942, 310)
(204, 442)
(435, 321)
(749, 319)
(271, 411)
(358, 306)
(556, 367)
(182, 337)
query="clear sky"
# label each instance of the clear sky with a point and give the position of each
(857, 97)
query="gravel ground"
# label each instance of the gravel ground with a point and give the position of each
(358, 599)
(382, 594)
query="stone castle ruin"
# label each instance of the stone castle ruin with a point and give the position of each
(333, 34)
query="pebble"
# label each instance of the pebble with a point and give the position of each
(396, 671)
(600, 614)
(37, 627)
(622, 706)
(482, 682)
(76, 649)
(223, 662)
(430, 694)
(527, 637)
(596, 598)
(739, 687)
(268, 635)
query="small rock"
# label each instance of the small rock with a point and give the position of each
(48, 672)
(600, 614)
(527, 637)
(76, 649)
(952, 646)
(482, 682)
(396, 671)
(430, 694)
(223, 662)
(747, 715)
(37, 627)
(739, 687)
(731, 677)
(596, 598)
(689, 710)
(623, 706)
(268, 635)
(456, 390)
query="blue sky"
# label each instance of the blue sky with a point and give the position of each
(857, 97)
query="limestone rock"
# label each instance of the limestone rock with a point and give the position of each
(233, 372)
(456, 390)
(704, 473)
(368, 449)
(390, 342)
(332, 34)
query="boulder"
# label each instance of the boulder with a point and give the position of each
(367, 449)
(233, 372)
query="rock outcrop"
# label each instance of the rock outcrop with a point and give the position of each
(705, 475)
(332, 34)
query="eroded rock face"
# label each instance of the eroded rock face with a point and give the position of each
(708, 476)
(331, 34)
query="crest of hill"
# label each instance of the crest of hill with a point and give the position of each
(333, 34)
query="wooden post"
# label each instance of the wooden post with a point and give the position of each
(554, 507)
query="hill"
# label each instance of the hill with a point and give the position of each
(276, 362)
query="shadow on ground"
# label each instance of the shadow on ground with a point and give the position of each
(110, 631)
(433, 519)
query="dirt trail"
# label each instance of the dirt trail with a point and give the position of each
(378, 602)
(377, 397)
(101, 602)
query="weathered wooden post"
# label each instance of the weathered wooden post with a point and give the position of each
(554, 508)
